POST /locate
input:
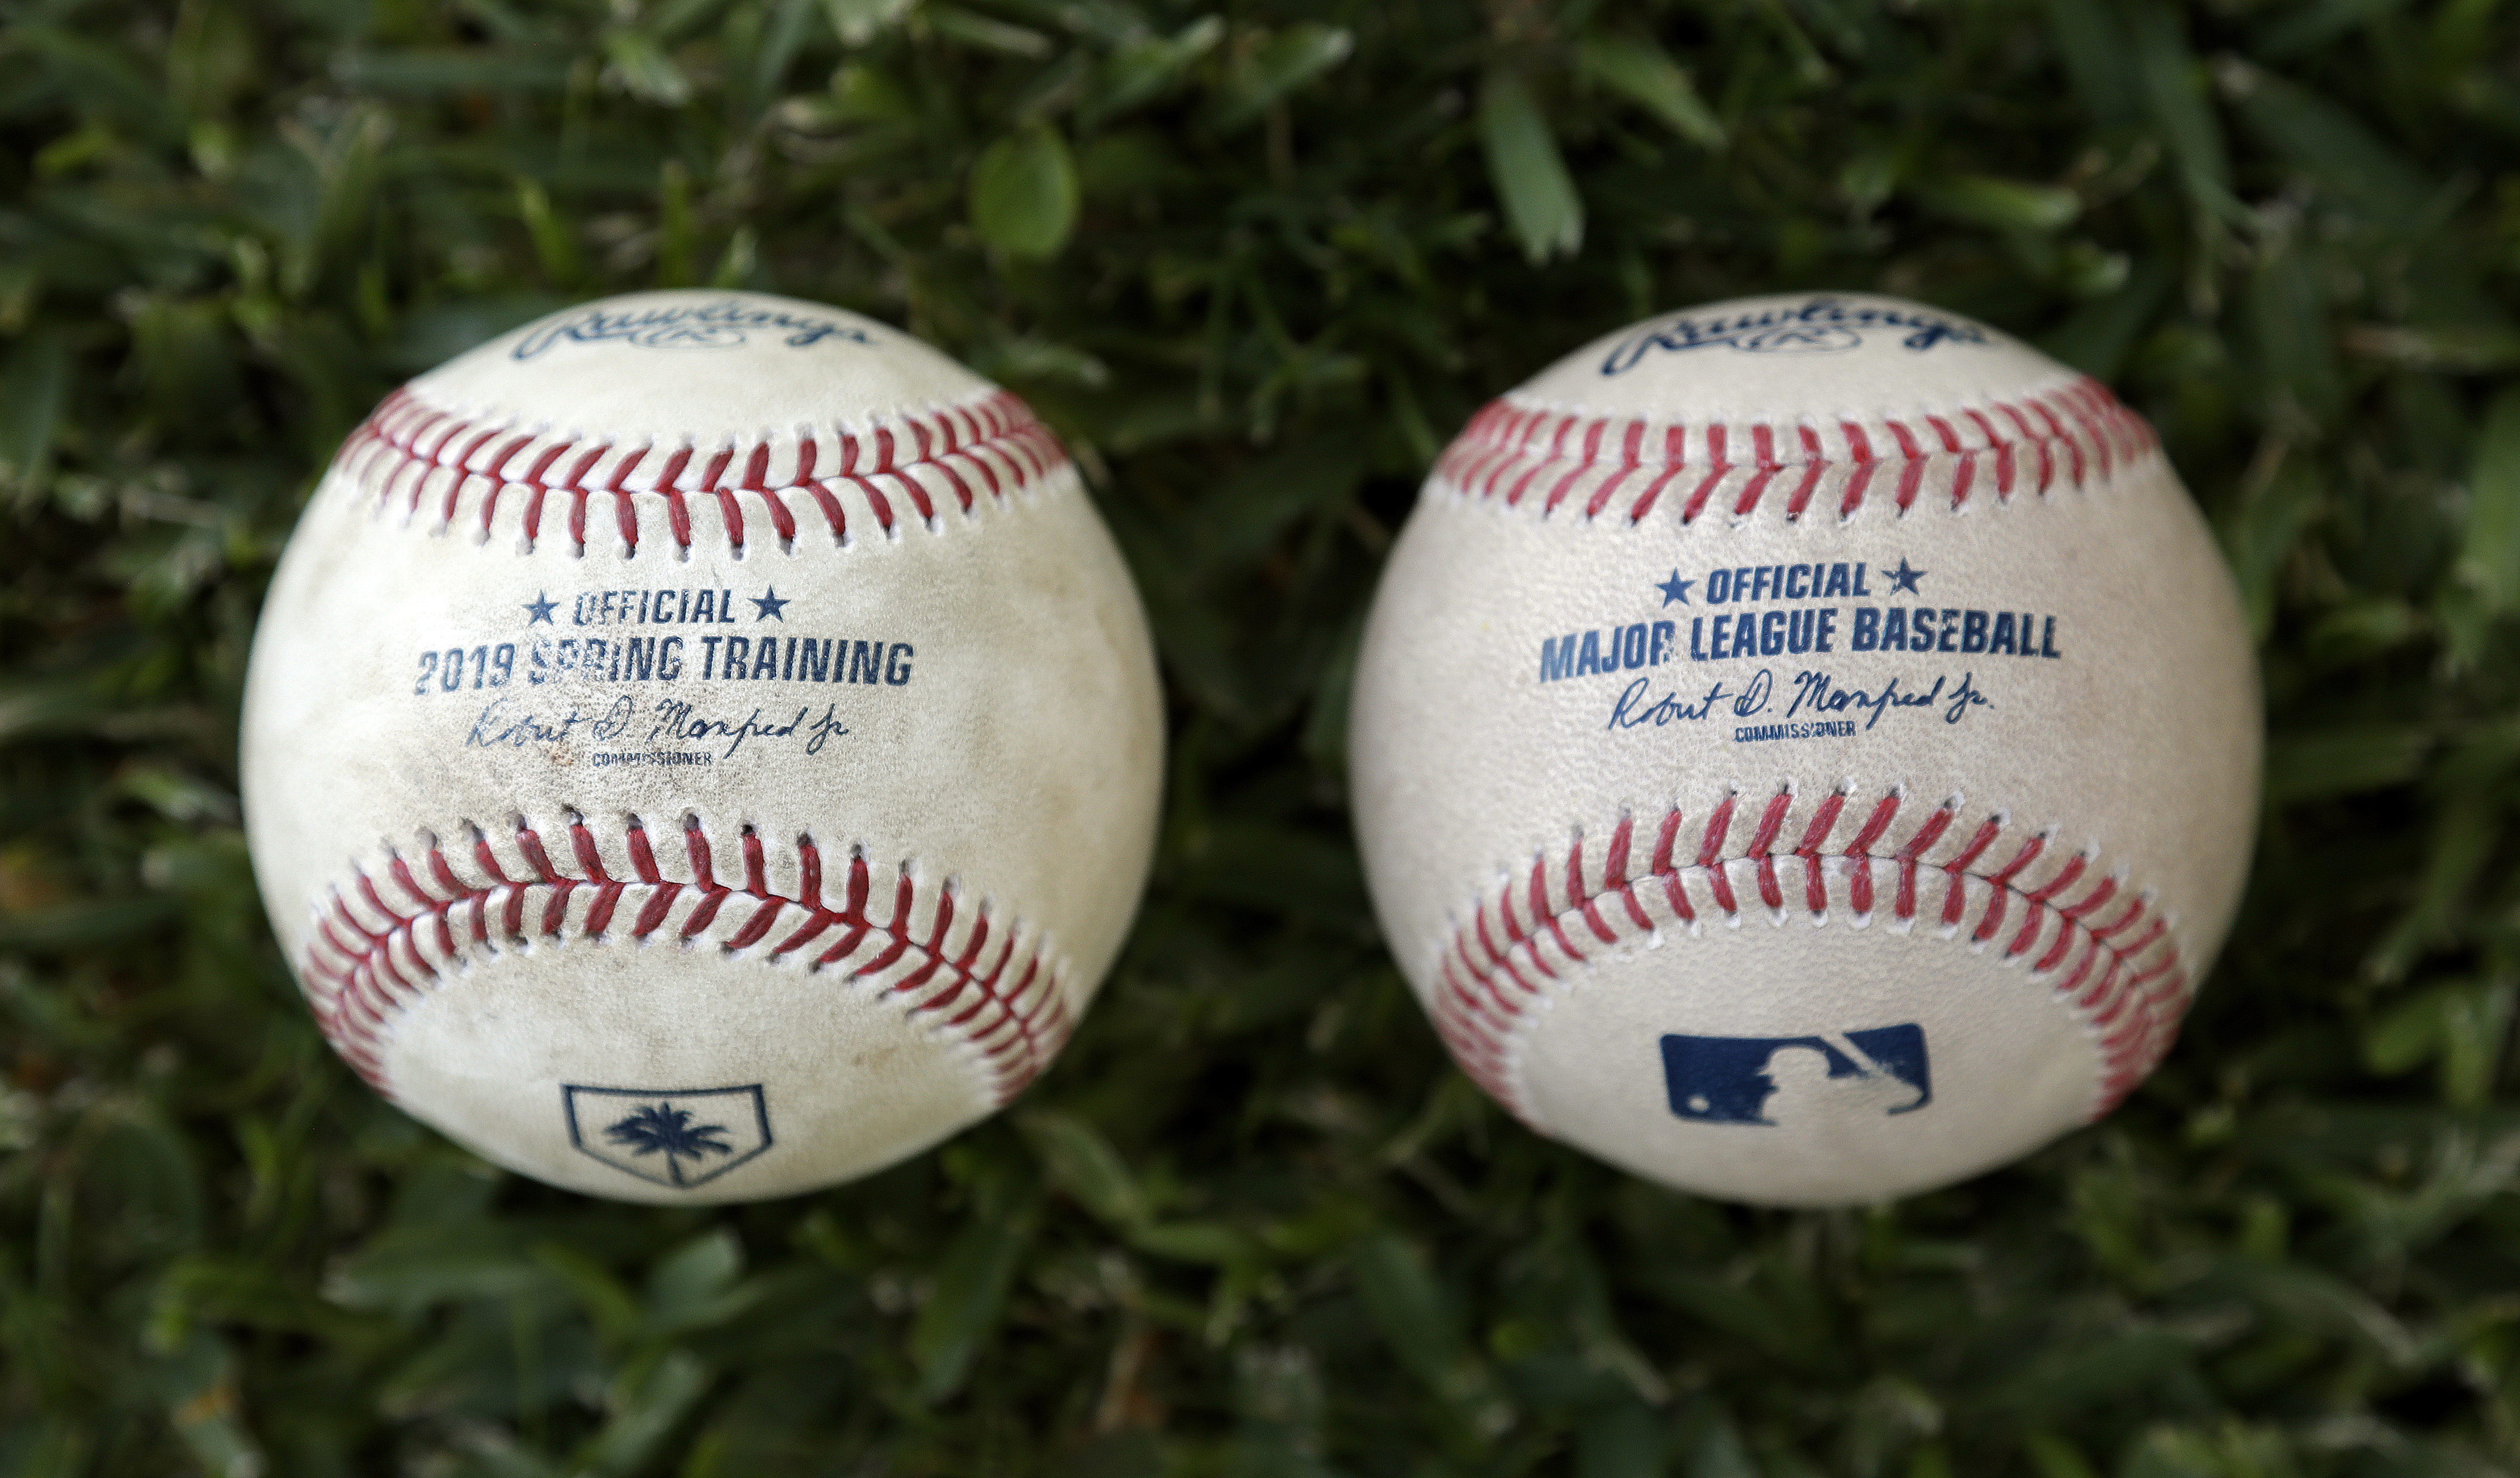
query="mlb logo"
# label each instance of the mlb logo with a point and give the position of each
(1793, 1079)
(680, 1138)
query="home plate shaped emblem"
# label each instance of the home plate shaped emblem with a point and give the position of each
(673, 1136)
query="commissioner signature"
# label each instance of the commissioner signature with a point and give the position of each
(1631, 711)
(1813, 693)
(678, 720)
(506, 724)
(1819, 693)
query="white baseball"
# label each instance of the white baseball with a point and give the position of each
(1806, 749)
(700, 746)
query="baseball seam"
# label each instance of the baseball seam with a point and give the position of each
(985, 450)
(2108, 955)
(367, 961)
(1512, 452)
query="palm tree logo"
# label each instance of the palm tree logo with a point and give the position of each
(661, 1129)
(680, 1138)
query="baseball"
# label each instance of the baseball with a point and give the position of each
(700, 746)
(1805, 749)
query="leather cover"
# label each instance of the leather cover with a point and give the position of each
(700, 746)
(1805, 749)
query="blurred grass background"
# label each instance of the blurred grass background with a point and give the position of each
(1257, 264)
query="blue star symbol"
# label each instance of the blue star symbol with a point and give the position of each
(1675, 588)
(1904, 579)
(539, 609)
(767, 604)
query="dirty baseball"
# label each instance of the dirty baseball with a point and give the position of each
(700, 746)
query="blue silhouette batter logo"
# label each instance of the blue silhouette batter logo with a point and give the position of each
(1789, 1080)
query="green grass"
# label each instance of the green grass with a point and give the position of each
(1257, 267)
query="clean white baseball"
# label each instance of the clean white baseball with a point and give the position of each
(700, 746)
(1806, 749)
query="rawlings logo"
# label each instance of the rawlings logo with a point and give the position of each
(707, 326)
(1820, 325)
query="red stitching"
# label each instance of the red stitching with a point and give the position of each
(406, 451)
(2070, 433)
(367, 962)
(2139, 970)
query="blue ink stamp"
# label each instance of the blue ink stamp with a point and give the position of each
(1792, 1079)
(680, 1138)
